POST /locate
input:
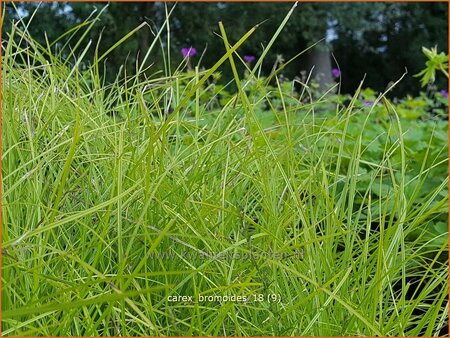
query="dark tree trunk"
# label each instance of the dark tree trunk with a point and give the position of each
(147, 12)
(321, 61)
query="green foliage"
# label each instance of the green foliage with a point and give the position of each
(118, 197)
(379, 39)
(435, 62)
(388, 42)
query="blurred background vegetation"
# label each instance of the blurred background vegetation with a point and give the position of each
(375, 40)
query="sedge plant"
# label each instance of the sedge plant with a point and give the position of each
(269, 215)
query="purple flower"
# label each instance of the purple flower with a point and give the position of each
(249, 58)
(444, 93)
(368, 103)
(335, 72)
(188, 52)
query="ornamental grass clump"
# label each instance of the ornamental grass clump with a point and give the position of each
(268, 215)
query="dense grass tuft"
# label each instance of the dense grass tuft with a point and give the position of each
(117, 197)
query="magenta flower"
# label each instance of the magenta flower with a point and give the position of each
(188, 52)
(444, 93)
(335, 72)
(249, 58)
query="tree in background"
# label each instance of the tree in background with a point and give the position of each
(385, 41)
(377, 39)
